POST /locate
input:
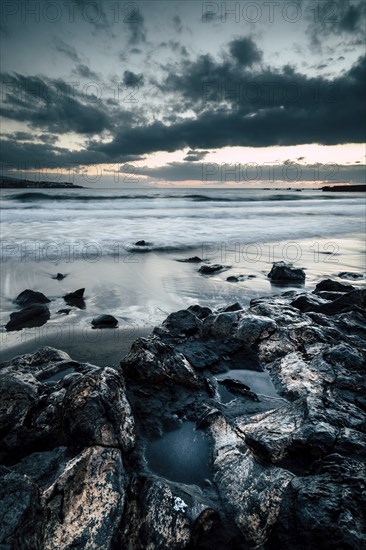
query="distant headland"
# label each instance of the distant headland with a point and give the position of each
(14, 183)
(345, 188)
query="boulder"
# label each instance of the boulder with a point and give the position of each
(200, 311)
(221, 325)
(85, 504)
(30, 298)
(32, 316)
(350, 275)
(252, 328)
(192, 260)
(282, 272)
(104, 321)
(307, 302)
(96, 411)
(211, 269)
(182, 322)
(75, 298)
(59, 277)
(333, 286)
(151, 361)
(327, 508)
(251, 492)
(356, 299)
(20, 512)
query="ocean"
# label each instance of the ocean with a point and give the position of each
(90, 235)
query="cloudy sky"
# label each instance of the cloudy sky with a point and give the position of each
(252, 93)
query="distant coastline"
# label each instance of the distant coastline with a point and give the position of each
(13, 183)
(345, 188)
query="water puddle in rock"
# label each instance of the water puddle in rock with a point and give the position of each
(259, 382)
(182, 455)
(59, 375)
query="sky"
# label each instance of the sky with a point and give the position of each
(121, 94)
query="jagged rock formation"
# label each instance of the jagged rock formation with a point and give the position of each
(283, 469)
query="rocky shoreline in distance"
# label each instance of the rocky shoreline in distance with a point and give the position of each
(97, 457)
(15, 183)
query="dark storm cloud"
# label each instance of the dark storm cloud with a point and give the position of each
(47, 138)
(338, 16)
(85, 72)
(132, 79)
(288, 109)
(23, 136)
(26, 156)
(194, 156)
(245, 51)
(51, 104)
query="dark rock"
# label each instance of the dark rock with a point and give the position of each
(32, 316)
(327, 508)
(20, 511)
(252, 328)
(183, 321)
(141, 243)
(333, 286)
(96, 411)
(35, 363)
(192, 260)
(200, 311)
(211, 269)
(30, 297)
(285, 272)
(199, 354)
(221, 326)
(237, 278)
(44, 467)
(233, 307)
(145, 526)
(250, 492)
(76, 298)
(59, 277)
(307, 302)
(343, 355)
(352, 300)
(84, 505)
(65, 310)
(328, 295)
(271, 478)
(104, 321)
(350, 275)
(152, 361)
(238, 388)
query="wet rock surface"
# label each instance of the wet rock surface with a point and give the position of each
(286, 272)
(104, 321)
(31, 316)
(237, 428)
(30, 297)
(75, 298)
(211, 269)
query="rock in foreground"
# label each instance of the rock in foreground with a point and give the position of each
(282, 272)
(283, 468)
